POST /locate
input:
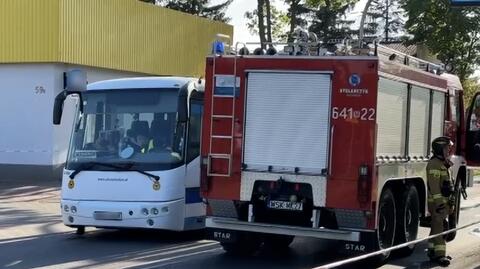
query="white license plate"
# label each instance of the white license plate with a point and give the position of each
(285, 205)
(103, 215)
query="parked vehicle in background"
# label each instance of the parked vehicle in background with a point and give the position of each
(134, 155)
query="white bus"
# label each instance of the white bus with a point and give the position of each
(133, 159)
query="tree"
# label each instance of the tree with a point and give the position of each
(470, 87)
(267, 22)
(384, 18)
(329, 21)
(452, 34)
(297, 12)
(196, 7)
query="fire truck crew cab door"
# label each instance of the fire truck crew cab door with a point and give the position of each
(472, 149)
(287, 121)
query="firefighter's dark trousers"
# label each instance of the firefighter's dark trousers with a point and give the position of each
(437, 245)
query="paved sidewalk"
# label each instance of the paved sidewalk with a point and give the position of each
(29, 210)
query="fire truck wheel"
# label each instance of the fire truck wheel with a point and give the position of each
(386, 222)
(80, 230)
(277, 242)
(246, 244)
(408, 218)
(453, 219)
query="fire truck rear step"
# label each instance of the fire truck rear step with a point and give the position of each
(321, 233)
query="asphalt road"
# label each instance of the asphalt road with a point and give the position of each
(32, 236)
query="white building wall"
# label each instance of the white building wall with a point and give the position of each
(26, 94)
(27, 135)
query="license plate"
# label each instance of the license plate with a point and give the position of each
(103, 215)
(285, 205)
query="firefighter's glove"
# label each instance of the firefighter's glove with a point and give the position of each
(440, 209)
(447, 188)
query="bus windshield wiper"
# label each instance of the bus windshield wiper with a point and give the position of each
(126, 167)
(90, 165)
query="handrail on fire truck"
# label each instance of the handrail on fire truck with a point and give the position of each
(343, 47)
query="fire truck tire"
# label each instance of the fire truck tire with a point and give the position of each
(277, 242)
(453, 218)
(387, 223)
(408, 218)
(246, 244)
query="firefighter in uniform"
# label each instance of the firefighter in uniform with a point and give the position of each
(440, 190)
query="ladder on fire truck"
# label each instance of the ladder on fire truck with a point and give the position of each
(219, 119)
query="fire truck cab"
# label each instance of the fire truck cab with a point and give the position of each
(328, 146)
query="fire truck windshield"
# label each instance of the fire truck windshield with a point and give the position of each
(129, 126)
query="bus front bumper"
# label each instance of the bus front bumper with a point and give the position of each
(110, 214)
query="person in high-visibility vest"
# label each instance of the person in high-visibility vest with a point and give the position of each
(440, 190)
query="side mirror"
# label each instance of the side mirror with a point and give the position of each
(74, 82)
(58, 107)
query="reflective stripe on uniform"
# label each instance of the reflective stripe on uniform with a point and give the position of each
(437, 173)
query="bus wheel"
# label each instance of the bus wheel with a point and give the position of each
(80, 230)
(408, 218)
(246, 244)
(386, 222)
(277, 242)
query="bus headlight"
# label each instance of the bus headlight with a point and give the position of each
(154, 211)
(66, 208)
(73, 209)
(145, 211)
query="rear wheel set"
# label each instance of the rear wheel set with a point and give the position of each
(408, 218)
(387, 211)
(398, 220)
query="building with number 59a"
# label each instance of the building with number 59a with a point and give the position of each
(40, 40)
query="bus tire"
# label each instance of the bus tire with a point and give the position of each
(408, 219)
(80, 230)
(386, 224)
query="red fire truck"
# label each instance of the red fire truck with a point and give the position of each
(326, 146)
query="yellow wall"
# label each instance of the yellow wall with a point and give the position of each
(29, 30)
(116, 34)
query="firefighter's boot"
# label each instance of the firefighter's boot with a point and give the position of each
(443, 261)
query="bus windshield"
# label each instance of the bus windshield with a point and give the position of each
(137, 126)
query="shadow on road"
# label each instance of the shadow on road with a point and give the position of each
(95, 248)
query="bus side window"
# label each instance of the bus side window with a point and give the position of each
(194, 130)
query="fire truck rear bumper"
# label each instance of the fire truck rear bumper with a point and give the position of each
(229, 226)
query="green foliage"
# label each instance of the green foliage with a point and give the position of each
(453, 34)
(298, 13)
(384, 18)
(329, 20)
(470, 87)
(279, 22)
(200, 8)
